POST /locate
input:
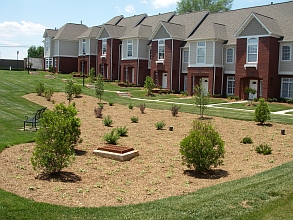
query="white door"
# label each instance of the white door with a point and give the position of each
(164, 80)
(253, 85)
(205, 84)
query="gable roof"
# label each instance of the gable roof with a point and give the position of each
(269, 24)
(115, 20)
(70, 32)
(91, 32)
(49, 33)
(280, 16)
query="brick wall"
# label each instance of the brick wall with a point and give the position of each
(68, 64)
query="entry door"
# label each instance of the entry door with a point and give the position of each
(205, 84)
(164, 80)
(253, 85)
(185, 83)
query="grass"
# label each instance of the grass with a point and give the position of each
(268, 195)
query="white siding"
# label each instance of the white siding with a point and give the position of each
(134, 48)
(286, 66)
(229, 68)
(104, 34)
(143, 50)
(192, 49)
(218, 53)
(93, 46)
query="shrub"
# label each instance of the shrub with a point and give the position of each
(69, 90)
(40, 88)
(48, 93)
(142, 108)
(149, 85)
(174, 110)
(247, 140)
(76, 90)
(130, 106)
(262, 112)
(112, 137)
(134, 119)
(184, 93)
(51, 69)
(98, 112)
(99, 86)
(110, 103)
(107, 121)
(263, 149)
(92, 75)
(122, 131)
(101, 105)
(201, 98)
(56, 138)
(202, 148)
(160, 125)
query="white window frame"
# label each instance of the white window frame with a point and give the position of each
(201, 52)
(104, 46)
(288, 53)
(232, 80)
(289, 89)
(129, 48)
(250, 53)
(161, 49)
(185, 56)
(47, 44)
(48, 62)
(83, 46)
(230, 57)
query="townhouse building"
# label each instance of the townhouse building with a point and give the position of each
(225, 51)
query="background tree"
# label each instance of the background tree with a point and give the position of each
(202, 148)
(149, 85)
(99, 86)
(36, 52)
(185, 6)
(56, 139)
(262, 112)
(201, 98)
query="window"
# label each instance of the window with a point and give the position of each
(129, 48)
(230, 85)
(104, 46)
(83, 46)
(185, 56)
(48, 62)
(201, 51)
(150, 54)
(230, 55)
(161, 49)
(47, 44)
(252, 46)
(286, 53)
(287, 88)
(102, 70)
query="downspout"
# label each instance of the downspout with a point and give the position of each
(119, 61)
(222, 83)
(179, 72)
(97, 58)
(89, 62)
(111, 59)
(172, 65)
(214, 79)
(137, 71)
(58, 58)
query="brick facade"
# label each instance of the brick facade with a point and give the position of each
(67, 64)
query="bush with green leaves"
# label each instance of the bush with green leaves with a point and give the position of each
(40, 88)
(92, 75)
(175, 110)
(101, 105)
(263, 149)
(111, 103)
(55, 141)
(262, 112)
(142, 108)
(201, 98)
(202, 148)
(247, 140)
(69, 90)
(48, 93)
(134, 119)
(160, 125)
(76, 90)
(99, 86)
(112, 137)
(149, 85)
(122, 131)
(107, 121)
(130, 106)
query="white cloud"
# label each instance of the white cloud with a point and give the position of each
(163, 3)
(129, 9)
(144, 1)
(11, 29)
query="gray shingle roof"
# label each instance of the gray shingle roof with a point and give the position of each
(270, 23)
(114, 31)
(115, 20)
(91, 32)
(131, 22)
(49, 33)
(176, 31)
(281, 15)
(155, 19)
(70, 32)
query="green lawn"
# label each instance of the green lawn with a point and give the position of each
(268, 195)
(274, 107)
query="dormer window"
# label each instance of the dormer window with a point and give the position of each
(104, 46)
(129, 48)
(161, 49)
(252, 50)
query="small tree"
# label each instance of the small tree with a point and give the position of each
(262, 112)
(99, 86)
(249, 90)
(69, 90)
(40, 88)
(202, 148)
(92, 75)
(201, 98)
(149, 85)
(56, 139)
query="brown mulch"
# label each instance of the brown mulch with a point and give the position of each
(156, 173)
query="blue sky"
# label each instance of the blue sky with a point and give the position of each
(22, 22)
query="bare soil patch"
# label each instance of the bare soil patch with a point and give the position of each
(156, 173)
